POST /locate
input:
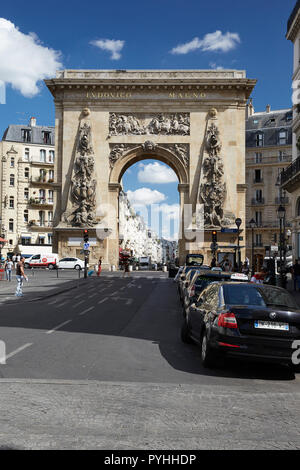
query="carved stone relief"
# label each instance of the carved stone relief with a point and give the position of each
(159, 124)
(83, 184)
(181, 151)
(213, 187)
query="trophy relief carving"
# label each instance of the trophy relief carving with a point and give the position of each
(83, 183)
(159, 124)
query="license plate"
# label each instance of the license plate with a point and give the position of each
(271, 325)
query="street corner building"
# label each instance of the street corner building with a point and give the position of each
(107, 120)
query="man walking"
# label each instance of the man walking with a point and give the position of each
(296, 274)
(20, 275)
(8, 268)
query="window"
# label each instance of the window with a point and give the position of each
(282, 138)
(259, 139)
(25, 240)
(26, 194)
(258, 157)
(11, 202)
(26, 216)
(12, 162)
(42, 155)
(50, 198)
(258, 218)
(50, 238)
(47, 137)
(26, 173)
(42, 196)
(11, 180)
(257, 176)
(41, 240)
(42, 218)
(51, 176)
(26, 154)
(11, 225)
(51, 156)
(26, 135)
(258, 239)
(258, 195)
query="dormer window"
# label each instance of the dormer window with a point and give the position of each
(282, 137)
(259, 139)
(46, 137)
(26, 135)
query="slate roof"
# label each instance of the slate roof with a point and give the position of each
(293, 15)
(14, 134)
(269, 124)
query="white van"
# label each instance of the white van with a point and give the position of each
(44, 260)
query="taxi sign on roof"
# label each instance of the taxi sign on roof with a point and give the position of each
(239, 277)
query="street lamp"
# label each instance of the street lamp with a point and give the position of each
(252, 225)
(238, 223)
(281, 216)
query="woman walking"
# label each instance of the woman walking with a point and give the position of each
(99, 266)
(20, 275)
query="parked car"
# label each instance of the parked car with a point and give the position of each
(70, 263)
(199, 281)
(42, 260)
(185, 278)
(244, 320)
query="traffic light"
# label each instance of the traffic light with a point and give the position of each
(86, 236)
(214, 236)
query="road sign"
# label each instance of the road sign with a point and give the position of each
(86, 246)
(229, 230)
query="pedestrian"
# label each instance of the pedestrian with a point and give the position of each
(126, 268)
(20, 275)
(99, 266)
(14, 260)
(8, 268)
(296, 274)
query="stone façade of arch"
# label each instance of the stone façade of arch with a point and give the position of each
(139, 153)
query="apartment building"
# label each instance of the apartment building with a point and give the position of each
(268, 153)
(27, 187)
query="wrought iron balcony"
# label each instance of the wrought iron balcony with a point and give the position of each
(281, 200)
(291, 175)
(257, 202)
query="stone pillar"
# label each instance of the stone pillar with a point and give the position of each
(183, 190)
(112, 217)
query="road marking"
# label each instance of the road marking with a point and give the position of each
(129, 301)
(114, 293)
(86, 310)
(78, 303)
(103, 300)
(93, 295)
(122, 288)
(21, 348)
(57, 327)
(139, 287)
(53, 302)
(63, 303)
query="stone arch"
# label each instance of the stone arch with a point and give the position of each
(139, 153)
(144, 152)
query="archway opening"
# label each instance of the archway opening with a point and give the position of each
(149, 212)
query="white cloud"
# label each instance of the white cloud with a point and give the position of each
(111, 45)
(214, 66)
(216, 41)
(145, 196)
(24, 60)
(156, 173)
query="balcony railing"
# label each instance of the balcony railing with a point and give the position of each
(269, 224)
(273, 159)
(40, 201)
(40, 223)
(257, 202)
(281, 200)
(292, 170)
(258, 180)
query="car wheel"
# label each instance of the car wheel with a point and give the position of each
(77, 267)
(208, 357)
(185, 333)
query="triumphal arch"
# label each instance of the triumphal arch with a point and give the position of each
(106, 120)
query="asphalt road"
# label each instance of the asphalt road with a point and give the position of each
(103, 366)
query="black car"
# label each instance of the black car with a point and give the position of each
(248, 321)
(198, 282)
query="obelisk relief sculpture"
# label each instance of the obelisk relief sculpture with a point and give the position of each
(83, 184)
(213, 187)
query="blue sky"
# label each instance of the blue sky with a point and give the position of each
(147, 32)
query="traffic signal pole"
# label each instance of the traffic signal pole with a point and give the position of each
(86, 251)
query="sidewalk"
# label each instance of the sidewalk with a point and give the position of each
(41, 284)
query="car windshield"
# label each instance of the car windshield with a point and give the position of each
(242, 295)
(278, 298)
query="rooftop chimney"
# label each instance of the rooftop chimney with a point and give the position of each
(32, 122)
(268, 108)
(249, 109)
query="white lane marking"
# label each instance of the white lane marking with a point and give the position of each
(93, 295)
(63, 303)
(115, 293)
(86, 310)
(78, 303)
(53, 302)
(103, 300)
(57, 327)
(21, 348)
(122, 288)
(129, 301)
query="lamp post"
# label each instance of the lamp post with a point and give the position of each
(238, 223)
(252, 224)
(281, 216)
